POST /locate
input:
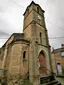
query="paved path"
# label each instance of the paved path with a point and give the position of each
(60, 80)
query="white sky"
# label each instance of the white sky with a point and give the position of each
(11, 18)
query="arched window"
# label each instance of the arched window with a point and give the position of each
(37, 9)
(40, 38)
(24, 54)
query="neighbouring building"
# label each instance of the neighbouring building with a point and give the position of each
(58, 60)
(28, 52)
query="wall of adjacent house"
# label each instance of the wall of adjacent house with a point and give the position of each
(57, 62)
(53, 61)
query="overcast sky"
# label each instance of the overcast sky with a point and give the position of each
(11, 19)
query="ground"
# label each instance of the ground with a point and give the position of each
(60, 80)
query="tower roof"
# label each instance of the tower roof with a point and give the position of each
(35, 5)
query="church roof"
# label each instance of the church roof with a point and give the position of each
(19, 37)
(16, 37)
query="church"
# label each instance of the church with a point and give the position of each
(28, 53)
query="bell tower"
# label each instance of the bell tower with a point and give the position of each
(39, 50)
(35, 15)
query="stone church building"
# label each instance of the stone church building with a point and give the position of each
(28, 52)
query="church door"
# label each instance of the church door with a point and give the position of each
(42, 61)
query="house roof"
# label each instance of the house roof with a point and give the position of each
(58, 50)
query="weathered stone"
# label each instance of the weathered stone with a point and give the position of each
(21, 54)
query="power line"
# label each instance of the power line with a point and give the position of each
(17, 4)
(54, 25)
(57, 37)
(43, 38)
(3, 38)
(53, 37)
(46, 20)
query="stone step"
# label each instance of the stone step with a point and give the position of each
(59, 83)
(52, 82)
(49, 80)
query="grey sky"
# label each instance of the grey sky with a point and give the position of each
(11, 18)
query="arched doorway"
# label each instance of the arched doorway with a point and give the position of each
(42, 61)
